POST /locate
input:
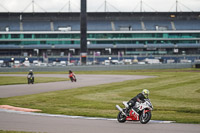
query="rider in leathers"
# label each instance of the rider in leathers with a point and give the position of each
(139, 98)
(72, 75)
(31, 74)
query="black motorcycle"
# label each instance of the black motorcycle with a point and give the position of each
(30, 79)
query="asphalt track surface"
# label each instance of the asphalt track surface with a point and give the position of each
(50, 124)
(83, 80)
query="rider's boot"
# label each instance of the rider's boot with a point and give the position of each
(127, 111)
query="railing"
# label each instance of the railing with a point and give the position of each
(100, 67)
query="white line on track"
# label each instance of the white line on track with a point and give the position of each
(73, 117)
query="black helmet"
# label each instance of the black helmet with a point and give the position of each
(70, 71)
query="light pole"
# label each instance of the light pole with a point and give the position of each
(83, 47)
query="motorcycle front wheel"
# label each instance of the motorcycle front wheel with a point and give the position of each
(121, 117)
(71, 79)
(29, 81)
(146, 118)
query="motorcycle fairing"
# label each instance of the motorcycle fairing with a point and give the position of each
(133, 116)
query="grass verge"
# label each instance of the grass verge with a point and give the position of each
(175, 95)
(1, 131)
(10, 80)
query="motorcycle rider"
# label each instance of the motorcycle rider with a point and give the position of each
(139, 98)
(31, 74)
(72, 75)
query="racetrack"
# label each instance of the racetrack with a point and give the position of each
(54, 124)
(83, 80)
(23, 122)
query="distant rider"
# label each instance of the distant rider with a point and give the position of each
(72, 76)
(139, 98)
(30, 74)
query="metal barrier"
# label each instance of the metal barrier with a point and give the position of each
(99, 67)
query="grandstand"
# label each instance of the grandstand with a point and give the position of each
(109, 33)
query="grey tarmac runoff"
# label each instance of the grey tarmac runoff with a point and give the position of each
(58, 124)
(83, 80)
(51, 124)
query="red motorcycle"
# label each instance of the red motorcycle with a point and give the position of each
(72, 77)
(141, 112)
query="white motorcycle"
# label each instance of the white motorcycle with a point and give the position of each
(140, 112)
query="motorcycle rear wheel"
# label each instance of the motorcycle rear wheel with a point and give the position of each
(121, 117)
(29, 81)
(145, 119)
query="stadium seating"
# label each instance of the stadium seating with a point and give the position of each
(12, 25)
(187, 25)
(151, 24)
(130, 33)
(36, 26)
(127, 24)
(75, 25)
(99, 25)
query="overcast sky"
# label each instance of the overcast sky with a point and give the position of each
(98, 5)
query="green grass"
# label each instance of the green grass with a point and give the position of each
(1, 131)
(110, 72)
(175, 95)
(10, 80)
